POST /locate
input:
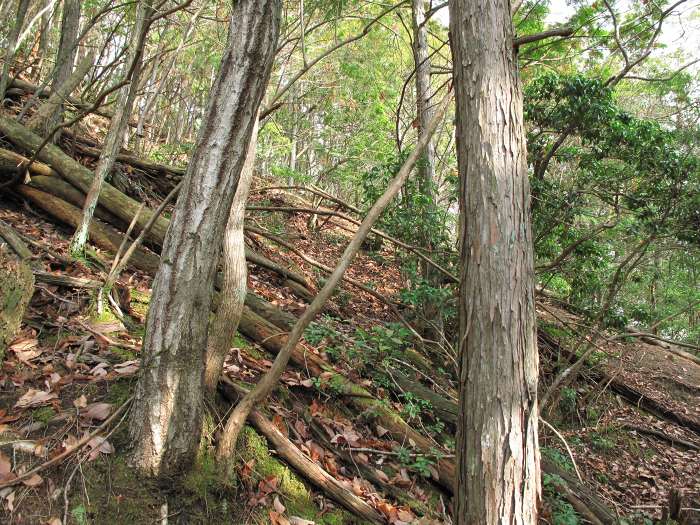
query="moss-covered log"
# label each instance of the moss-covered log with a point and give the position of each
(81, 177)
(16, 285)
(101, 235)
(11, 162)
(63, 190)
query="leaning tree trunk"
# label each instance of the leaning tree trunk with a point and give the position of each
(235, 275)
(269, 380)
(65, 57)
(165, 422)
(497, 451)
(118, 124)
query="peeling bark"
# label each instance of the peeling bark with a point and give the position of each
(497, 449)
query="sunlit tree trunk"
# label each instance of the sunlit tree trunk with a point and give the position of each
(165, 423)
(497, 451)
(118, 124)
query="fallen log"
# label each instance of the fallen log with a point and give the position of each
(289, 452)
(640, 400)
(444, 408)
(81, 177)
(67, 281)
(671, 440)
(111, 199)
(370, 473)
(102, 235)
(63, 190)
(132, 160)
(11, 161)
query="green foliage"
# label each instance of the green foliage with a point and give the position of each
(557, 457)
(562, 511)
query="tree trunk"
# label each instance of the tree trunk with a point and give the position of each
(117, 126)
(432, 328)
(235, 275)
(67, 50)
(497, 450)
(42, 121)
(165, 422)
(11, 46)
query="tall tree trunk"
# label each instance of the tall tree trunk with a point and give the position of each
(65, 56)
(165, 422)
(426, 165)
(12, 46)
(497, 450)
(118, 124)
(235, 275)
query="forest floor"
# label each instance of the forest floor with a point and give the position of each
(69, 369)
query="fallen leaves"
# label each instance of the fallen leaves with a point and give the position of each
(98, 411)
(34, 398)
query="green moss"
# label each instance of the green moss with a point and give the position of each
(139, 296)
(203, 480)
(241, 342)
(119, 391)
(128, 500)
(293, 493)
(43, 414)
(124, 353)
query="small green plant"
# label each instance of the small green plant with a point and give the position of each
(562, 511)
(318, 331)
(567, 403)
(413, 406)
(602, 442)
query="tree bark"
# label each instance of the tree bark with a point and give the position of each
(118, 124)
(234, 275)
(43, 120)
(497, 449)
(11, 46)
(67, 50)
(165, 422)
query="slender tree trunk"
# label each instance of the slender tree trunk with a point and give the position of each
(426, 165)
(235, 275)
(118, 124)
(165, 422)
(12, 46)
(497, 450)
(65, 56)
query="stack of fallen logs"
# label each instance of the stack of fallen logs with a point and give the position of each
(57, 184)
